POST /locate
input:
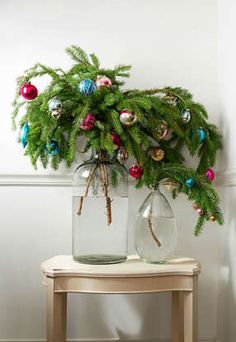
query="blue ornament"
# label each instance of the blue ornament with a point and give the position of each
(201, 135)
(24, 134)
(189, 182)
(87, 87)
(52, 148)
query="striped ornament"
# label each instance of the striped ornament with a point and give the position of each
(87, 87)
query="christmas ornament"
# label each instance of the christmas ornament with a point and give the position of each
(29, 91)
(195, 206)
(201, 135)
(212, 218)
(52, 148)
(88, 122)
(189, 183)
(24, 134)
(55, 107)
(210, 174)
(200, 211)
(122, 155)
(116, 140)
(127, 118)
(157, 153)
(170, 99)
(186, 116)
(87, 87)
(162, 130)
(103, 81)
(136, 171)
(170, 185)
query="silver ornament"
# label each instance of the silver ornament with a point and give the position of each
(186, 116)
(162, 130)
(127, 118)
(55, 107)
(122, 155)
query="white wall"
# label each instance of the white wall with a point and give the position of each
(227, 74)
(168, 43)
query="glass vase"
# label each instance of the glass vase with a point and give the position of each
(156, 233)
(100, 213)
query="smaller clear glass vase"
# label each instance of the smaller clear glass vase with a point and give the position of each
(156, 233)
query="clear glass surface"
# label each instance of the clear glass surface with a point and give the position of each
(100, 235)
(156, 233)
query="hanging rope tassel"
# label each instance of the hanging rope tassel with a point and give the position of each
(155, 238)
(105, 190)
(90, 177)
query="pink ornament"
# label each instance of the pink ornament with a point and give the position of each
(103, 81)
(200, 211)
(88, 122)
(210, 174)
(116, 140)
(29, 91)
(136, 171)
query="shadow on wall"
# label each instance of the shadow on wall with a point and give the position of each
(120, 317)
(227, 272)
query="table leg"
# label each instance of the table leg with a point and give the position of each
(56, 313)
(190, 314)
(177, 316)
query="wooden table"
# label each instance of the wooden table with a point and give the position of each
(62, 275)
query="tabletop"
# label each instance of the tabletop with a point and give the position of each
(64, 265)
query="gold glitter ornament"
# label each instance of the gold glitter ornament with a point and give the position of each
(170, 185)
(212, 218)
(157, 154)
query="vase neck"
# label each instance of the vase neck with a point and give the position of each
(155, 189)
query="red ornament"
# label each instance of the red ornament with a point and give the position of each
(210, 174)
(116, 140)
(29, 91)
(136, 171)
(88, 122)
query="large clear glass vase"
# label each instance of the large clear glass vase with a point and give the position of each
(156, 233)
(100, 213)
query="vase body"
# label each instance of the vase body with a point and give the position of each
(99, 233)
(156, 233)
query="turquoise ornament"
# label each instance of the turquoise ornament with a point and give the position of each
(24, 134)
(52, 148)
(201, 135)
(87, 87)
(189, 183)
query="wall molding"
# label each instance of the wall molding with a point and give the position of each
(223, 179)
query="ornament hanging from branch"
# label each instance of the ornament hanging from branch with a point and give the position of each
(103, 81)
(127, 118)
(29, 91)
(55, 107)
(87, 87)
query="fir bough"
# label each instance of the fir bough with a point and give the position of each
(152, 108)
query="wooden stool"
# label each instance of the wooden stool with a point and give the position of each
(62, 275)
